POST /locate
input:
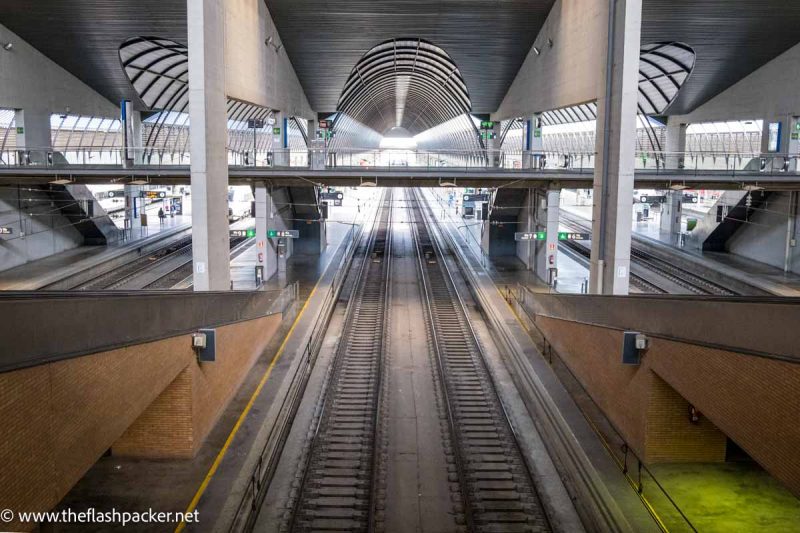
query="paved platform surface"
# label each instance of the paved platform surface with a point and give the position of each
(572, 274)
(35, 274)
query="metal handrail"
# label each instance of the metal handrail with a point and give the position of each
(370, 158)
(637, 484)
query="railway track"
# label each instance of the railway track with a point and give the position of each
(337, 487)
(497, 489)
(680, 276)
(176, 258)
(581, 252)
(117, 276)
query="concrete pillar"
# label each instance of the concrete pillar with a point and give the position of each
(526, 250)
(793, 143)
(534, 143)
(791, 232)
(280, 138)
(616, 144)
(34, 140)
(133, 206)
(209, 161)
(493, 146)
(547, 216)
(266, 257)
(788, 142)
(131, 134)
(675, 145)
(671, 214)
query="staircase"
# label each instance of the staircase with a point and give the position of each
(732, 210)
(77, 204)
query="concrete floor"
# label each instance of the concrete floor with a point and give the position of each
(418, 492)
(728, 498)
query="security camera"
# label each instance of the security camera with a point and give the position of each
(8, 46)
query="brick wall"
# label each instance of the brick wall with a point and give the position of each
(177, 423)
(752, 400)
(149, 400)
(672, 437)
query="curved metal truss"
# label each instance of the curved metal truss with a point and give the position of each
(409, 83)
(158, 69)
(353, 135)
(663, 69)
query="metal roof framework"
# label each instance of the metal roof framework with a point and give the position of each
(412, 77)
(158, 70)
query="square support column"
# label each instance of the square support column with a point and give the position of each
(131, 134)
(208, 140)
(280, 140)
(34, 139)
(675, 145)
(548, 214)
(265, 257)
(786, 144)
(494, 154)
(671, 216)
(534, 143)
(614, 166)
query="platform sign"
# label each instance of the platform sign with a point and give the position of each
(255, 123)
(6, 230)
(476, 197)
(248, 233)
(153, 195)
(488, 135)
(287, 234)
(564, 236)
(534, 236)
(332, 196)
(119, 193)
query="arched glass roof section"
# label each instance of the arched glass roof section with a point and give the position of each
(408, 83)
(158, 70)
(663, 69)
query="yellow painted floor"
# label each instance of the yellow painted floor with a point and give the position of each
(724, 497)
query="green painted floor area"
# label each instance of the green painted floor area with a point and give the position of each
(725, 497)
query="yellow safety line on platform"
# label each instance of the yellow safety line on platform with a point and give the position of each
(229, 440)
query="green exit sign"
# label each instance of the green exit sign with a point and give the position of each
(276, 131)
(487, 124)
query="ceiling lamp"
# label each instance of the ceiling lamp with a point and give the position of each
(369, 183)
(679, 187)
(61, 181)
(139, 181)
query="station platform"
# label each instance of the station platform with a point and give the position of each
(572, 274)
(174, 485)
(42, 272)
(766, 277)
